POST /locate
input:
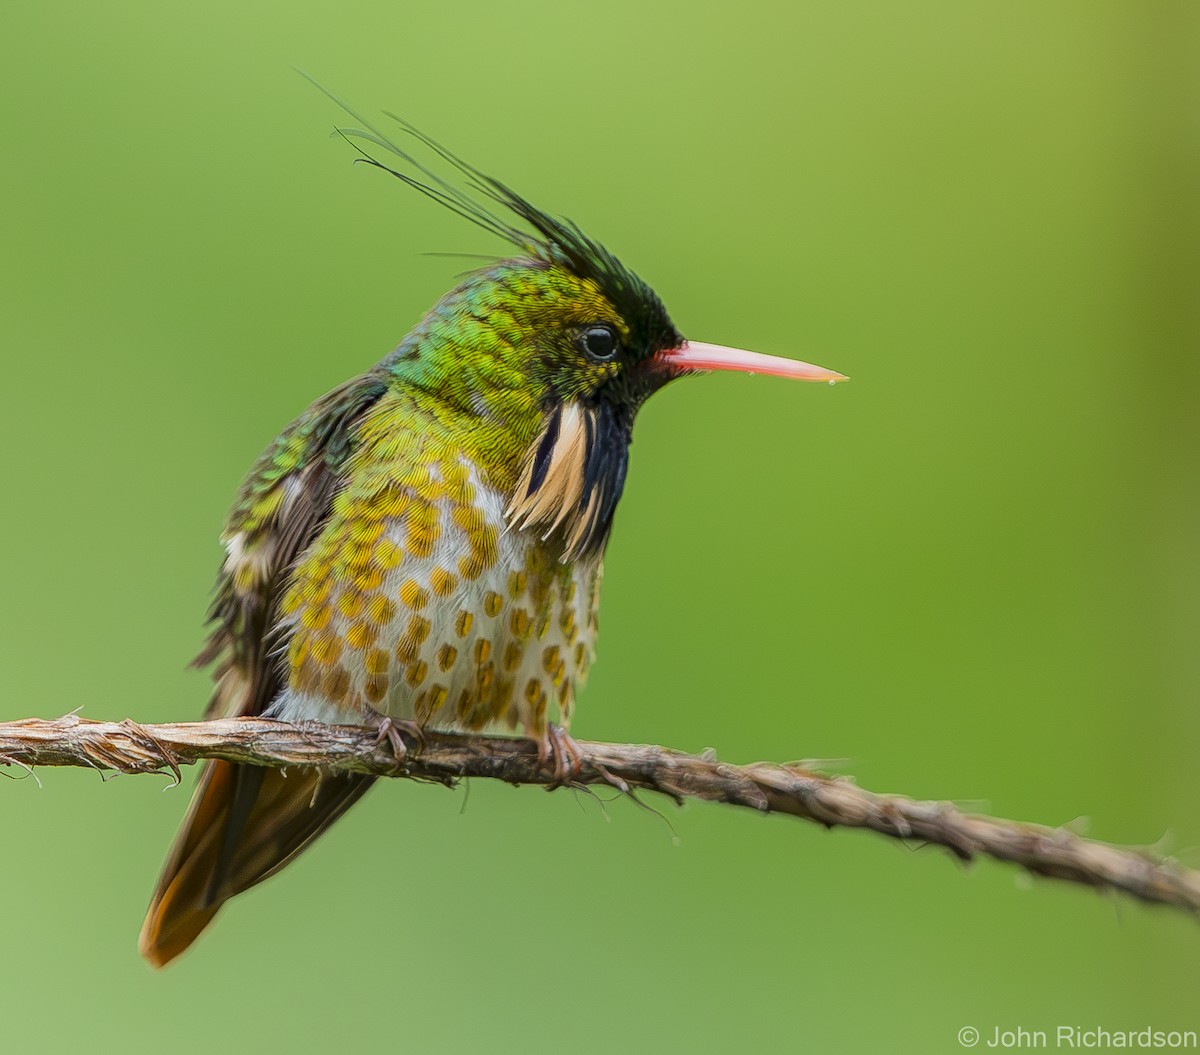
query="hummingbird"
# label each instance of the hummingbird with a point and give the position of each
(422, 547)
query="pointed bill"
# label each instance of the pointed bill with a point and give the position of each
(696, 355)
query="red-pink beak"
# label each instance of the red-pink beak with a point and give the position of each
(696, 355)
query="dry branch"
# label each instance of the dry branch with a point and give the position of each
(763, 786)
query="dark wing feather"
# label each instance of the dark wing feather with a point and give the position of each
(245, 823)
(284, 501)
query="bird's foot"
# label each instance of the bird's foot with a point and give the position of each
(394, 730)
(557, 746)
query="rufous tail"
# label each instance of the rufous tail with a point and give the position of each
(244, 824)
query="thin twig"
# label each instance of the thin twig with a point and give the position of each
(764, 786)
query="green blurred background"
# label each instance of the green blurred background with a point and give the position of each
(972, 572)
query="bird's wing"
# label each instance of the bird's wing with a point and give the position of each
(282, 504)
(246, 822)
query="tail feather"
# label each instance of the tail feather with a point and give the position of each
(243, 826)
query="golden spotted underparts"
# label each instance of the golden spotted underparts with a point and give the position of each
(407, 605)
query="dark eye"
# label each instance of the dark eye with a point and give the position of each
(599, 343)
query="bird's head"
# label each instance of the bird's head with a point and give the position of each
(555, 348)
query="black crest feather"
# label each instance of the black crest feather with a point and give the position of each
(556, 240)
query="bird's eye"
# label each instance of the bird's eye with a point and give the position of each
(599, 343)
